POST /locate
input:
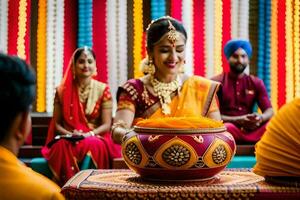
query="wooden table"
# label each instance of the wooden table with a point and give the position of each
(125, 184)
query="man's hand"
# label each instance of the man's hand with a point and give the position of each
(252, 121)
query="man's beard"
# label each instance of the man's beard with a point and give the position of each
(237, 69)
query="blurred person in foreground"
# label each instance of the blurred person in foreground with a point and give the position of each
(17, 92)
(278, 151)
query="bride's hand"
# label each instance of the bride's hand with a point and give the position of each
(77, 132)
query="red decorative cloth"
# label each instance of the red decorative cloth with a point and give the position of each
(125, 184)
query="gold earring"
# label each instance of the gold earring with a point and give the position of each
(151, 67)
(147, 66)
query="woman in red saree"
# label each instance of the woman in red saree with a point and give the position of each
(82, 109)
(164, 91)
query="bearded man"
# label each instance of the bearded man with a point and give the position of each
(239, 94)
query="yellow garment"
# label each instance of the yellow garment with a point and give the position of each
(19, 182)
(278, 151)
(194, 100)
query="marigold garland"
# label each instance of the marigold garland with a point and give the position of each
(158, 8)
(123, 41)
(176, 9)
(284, 44)
(85, 23)
(243, 16)
(289, 51)
(50, 51)
(3, 25)
(41, 56)
(218, 36)
(112, 45)
(199, 49)
(274, 54)
(261, 40)
(100, 36)
(234, 11)
(187, 20)
(253, 34)
(226, 31)
(13, 10)
(281, 53)
(22, 18)
(137, 36)
(267, 58)
(60, 15)
(296, 43)
(209, 37)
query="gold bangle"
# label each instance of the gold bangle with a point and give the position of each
(119, 123)
(118, 130)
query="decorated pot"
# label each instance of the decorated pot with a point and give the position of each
(178, 154)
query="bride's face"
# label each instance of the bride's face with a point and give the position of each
(85, 65)
(167, 56)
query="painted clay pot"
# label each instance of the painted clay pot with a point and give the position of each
(178, 154)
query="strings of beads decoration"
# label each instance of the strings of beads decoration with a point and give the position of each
(164, 91)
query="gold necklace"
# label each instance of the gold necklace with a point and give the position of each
(84, 92)
(164, 91)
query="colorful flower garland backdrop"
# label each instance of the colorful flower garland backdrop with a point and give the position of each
(47, 33)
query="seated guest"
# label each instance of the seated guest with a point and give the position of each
(164, 91)
(81, 118)
(277, 153)
(17, 92)
(239, 93)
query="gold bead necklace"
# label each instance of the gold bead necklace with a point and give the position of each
(84, 92)
(164, 91)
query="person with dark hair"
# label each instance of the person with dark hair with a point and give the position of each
(81, 120)
(164, 91)
(239, 93)
(17, 92)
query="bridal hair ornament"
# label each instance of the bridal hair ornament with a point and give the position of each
(172, 36)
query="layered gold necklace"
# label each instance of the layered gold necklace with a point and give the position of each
(164, 91)
(84, 91)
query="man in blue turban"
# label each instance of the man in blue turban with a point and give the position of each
(233, 45)
(239, 93)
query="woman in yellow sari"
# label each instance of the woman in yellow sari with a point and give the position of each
(164, 91)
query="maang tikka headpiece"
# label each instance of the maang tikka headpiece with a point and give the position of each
(172, 36)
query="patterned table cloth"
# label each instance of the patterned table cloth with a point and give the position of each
(125, 184)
